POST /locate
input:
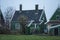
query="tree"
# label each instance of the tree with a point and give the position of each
(9, 15)
(23, 22)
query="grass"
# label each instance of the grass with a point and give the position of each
(28, 37)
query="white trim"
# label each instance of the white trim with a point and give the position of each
(54, 26)
(35, 26)
(41, 22)
(41, 16)
(30, 23)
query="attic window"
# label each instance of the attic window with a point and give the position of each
(58, 17)
(36, 13)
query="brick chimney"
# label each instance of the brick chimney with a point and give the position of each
(20, 7)
(36, 7)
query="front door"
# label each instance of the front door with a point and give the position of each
(56, 31)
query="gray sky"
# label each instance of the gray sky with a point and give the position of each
(49, 5)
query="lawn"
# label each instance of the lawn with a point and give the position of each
(28, 37)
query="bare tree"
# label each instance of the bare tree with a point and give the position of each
(2, 27)
(9, 15)
(23, 22)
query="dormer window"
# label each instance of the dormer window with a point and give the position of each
(36, 13)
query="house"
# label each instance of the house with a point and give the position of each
(54, 23)
(1, 21)
(1, 18)
(35, 20)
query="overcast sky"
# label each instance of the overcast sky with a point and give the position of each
(49, 5)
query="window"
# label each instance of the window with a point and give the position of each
(17, 26)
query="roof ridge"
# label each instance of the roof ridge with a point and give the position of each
(29, 10)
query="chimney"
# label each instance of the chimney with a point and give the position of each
(36, 7)
(20, 7)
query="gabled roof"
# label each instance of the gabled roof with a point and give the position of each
(31, 14)
(55, 19)
(56, 13)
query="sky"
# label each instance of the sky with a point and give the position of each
(48, 5)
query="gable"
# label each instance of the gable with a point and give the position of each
(43, 16)
(56, 15)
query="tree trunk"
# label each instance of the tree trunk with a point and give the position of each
(23, 29)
